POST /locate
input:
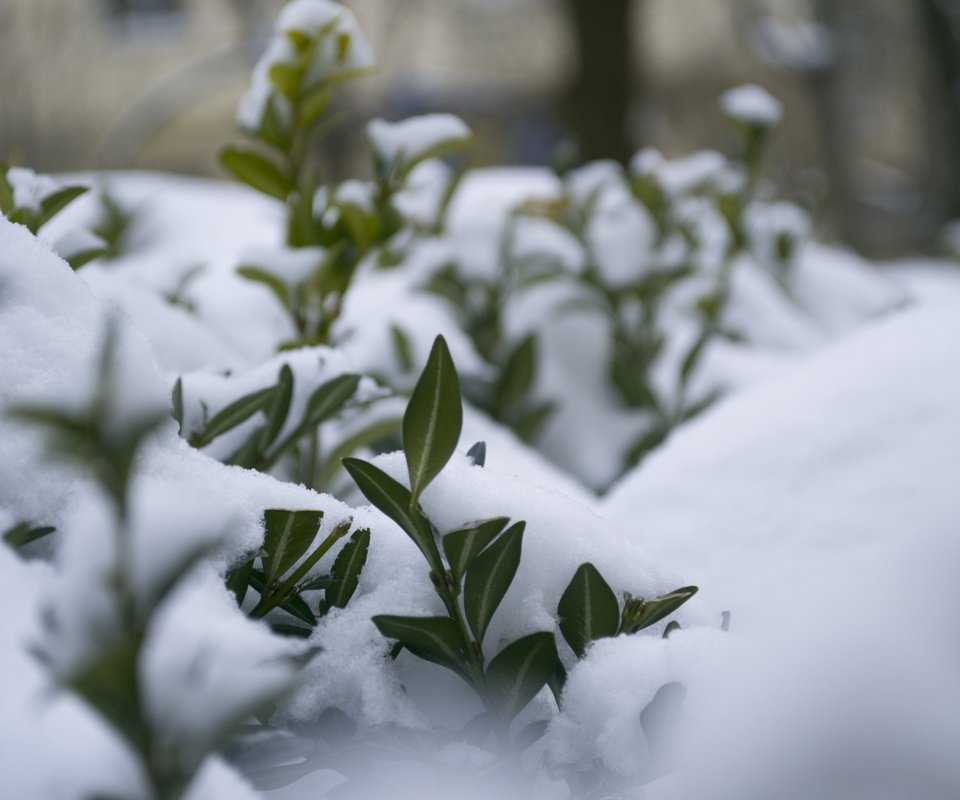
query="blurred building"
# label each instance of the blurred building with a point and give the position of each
(154, 84)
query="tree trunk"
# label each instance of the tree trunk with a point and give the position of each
(599, 98)
(939, 20)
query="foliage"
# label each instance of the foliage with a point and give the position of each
(472, 568)
(104, 441)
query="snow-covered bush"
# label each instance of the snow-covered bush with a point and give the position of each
(194, 558)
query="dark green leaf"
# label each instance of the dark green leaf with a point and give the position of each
(274, 128)
(237, 412)
(517, 376)
(462, 545)
(238, 579)
(435, 639)
(651, 612)
(278, 409)
(393, 499)
(24, 533)
(433, 419)
(314, 584)
(294, 605)
(53, 203)
(288, 536)
(588, 609)
(519, 671)
(83, 257)
(374, 433)
(346, 570)
(402, 348)
(294, 631)
(672, 626)
(528, 425)
(268, 279)
(177, 403)
(110, 685)
(489, 575)
(256, 171)
(330, 398)
(248, 455)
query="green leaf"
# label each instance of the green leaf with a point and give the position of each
(293, 631)
(402, 348)
(256, 171)
(177, 403)
(278, 409)
(628, 374)
(346, 570)
(528, 425)
(393, 499)
(295, 606)
(435, 639)
(237, 412)
(519, 671)
(639, 614)
(517, 376)
(83, 257)
(488, 578)
(375, 432)
(588, 609)
(24, 533)
(672, 626)
(268, 279)
(286, 80)
(324, 403)
(433, 419)
(53, 203)
(274, 129)
(238, 579)
(313, 104)
(288, 536)
(461, 546)
(330, 398)
(110, 685)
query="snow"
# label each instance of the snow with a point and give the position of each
(412, 139)
(851, 449)
(752, 105)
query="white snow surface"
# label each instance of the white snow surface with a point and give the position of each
(819, 507)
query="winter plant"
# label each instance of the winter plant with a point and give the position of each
(33, 200)
(105, 667)
(317, 47)
(472, 568)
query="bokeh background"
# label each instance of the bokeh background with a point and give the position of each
(870, 141)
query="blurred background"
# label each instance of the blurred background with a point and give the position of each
(870, 142)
